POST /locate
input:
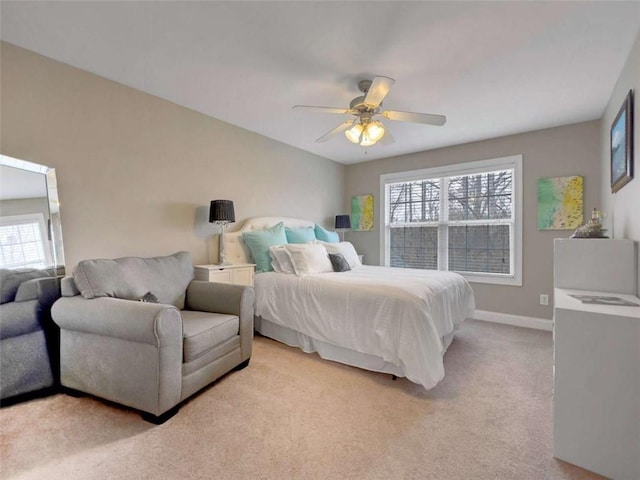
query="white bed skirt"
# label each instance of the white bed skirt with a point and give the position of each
(331, 352)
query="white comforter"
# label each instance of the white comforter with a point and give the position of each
(400, 315)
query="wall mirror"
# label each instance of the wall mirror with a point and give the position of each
(30, 227)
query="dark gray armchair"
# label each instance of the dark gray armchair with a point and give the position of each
(115, 343)
(28, 337)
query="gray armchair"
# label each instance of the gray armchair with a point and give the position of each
(28, 338)
(118, 345)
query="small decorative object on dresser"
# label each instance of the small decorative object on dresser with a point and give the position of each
(591, 229)
(221, 213)
(238, 274)
(622, 145)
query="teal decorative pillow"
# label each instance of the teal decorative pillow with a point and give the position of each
(259, 243)
(300, 235)
(326, 235)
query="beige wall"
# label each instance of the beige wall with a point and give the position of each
(136, 173)
(622, 209)
(568, 150)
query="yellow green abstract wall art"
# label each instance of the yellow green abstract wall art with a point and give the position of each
(362, 212)
(560, 203)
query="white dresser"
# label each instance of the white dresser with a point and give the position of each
(596, 398)
(239, 274)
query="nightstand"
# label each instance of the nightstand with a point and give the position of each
(239, 274)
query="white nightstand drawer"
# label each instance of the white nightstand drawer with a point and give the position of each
(236, 274)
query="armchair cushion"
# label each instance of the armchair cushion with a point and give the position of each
(203, 331)
(132, 277)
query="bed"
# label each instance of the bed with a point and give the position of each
(391, 320)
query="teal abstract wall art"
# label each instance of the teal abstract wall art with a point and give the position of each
(362, 212)
(560, 203)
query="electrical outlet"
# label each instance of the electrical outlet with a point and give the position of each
(544, 299)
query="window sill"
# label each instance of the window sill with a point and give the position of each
(493, 280)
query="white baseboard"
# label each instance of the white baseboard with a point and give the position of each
(515, 320)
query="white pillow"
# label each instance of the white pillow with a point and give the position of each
(308, 258)
(347, 250)
(280, 260)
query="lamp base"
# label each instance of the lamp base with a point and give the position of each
(221, 253)
(341, 233)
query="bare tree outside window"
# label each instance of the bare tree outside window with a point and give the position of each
(478, 215)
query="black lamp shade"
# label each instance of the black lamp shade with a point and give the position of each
(343, 221)
(221, 212)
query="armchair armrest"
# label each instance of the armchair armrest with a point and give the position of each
(220, 298)
(46, 290)
(122, 350)
(19, 318)
(152, 323)
(68, 287)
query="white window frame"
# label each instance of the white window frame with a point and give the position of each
(32, 218)
(512, 162)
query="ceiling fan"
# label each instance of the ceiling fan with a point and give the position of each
(365, 129)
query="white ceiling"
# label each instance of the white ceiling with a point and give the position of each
(493, 68)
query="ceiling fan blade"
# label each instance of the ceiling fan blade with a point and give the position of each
(426, 118)
(339, 129)
(378, 90)
(311, 108)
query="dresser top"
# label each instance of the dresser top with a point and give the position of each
(564, 300)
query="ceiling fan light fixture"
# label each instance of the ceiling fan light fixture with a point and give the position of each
(375, 130)
(365, 134)
(363, 130)
(367, 141)
(354, 133)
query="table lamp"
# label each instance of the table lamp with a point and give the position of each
(221, 213)
(343, 222)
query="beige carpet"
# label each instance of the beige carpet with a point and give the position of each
(293, 415)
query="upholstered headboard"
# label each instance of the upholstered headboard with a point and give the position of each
(234, 247)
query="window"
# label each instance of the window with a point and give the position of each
(22, 242)
(464, 218)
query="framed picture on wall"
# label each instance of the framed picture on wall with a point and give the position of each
(362, 213)
(560, 203)
(622, 145)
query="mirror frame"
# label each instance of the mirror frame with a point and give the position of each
(54, 223)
